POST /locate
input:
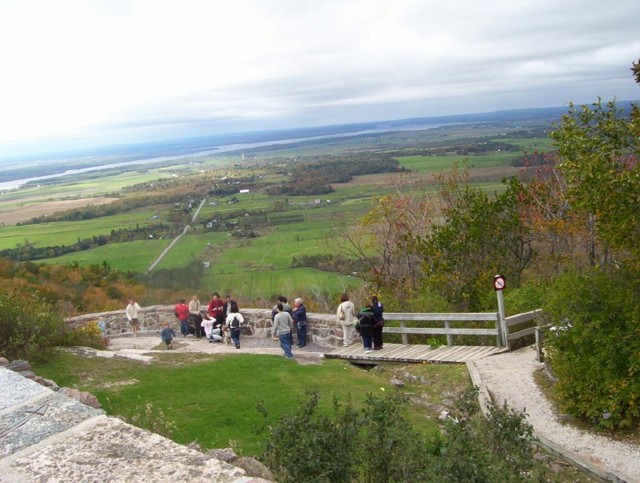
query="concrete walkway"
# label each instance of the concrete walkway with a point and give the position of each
(509, 377)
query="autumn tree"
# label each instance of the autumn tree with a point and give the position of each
(384, 240)
(480, 236)
(598, 148)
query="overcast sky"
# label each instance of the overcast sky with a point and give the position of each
(107, 71)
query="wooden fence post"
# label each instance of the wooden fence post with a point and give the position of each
(404, 337)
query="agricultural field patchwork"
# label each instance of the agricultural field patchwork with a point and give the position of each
(249, 238)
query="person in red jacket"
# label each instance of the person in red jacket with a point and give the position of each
(216, 308)
(182, 313)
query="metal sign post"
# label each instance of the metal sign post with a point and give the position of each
(499, 283)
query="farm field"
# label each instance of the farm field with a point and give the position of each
(68, 232)
(133, 256)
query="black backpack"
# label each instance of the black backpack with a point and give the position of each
(235, 323)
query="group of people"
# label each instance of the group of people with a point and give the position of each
(219, 317)
(222, 316)
(284, 319)
(369, 323)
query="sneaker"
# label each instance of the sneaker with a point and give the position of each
(367, 351)
(237, 346)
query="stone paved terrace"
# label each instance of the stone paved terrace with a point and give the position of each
(48, 436)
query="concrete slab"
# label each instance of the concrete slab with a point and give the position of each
(15, 389)
(107, 449)
(42, 417)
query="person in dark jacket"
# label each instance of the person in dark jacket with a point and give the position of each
(365, 327)
(299, 316)
(378, 322)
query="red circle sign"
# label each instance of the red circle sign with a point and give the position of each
(499, 282)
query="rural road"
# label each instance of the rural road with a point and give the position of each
(175, 240)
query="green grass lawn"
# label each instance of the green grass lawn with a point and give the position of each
(212, 399)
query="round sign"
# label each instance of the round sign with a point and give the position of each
(499, 282)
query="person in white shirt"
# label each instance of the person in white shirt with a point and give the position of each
(346, 314)
(132, 316)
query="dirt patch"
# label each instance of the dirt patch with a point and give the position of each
(13, 215)
(119, 384)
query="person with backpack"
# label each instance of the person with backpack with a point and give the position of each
(365, 327)
(378, 322)
(234, 321)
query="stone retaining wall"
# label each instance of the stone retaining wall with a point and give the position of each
(322, 329)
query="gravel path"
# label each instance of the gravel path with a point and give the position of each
(509, 377)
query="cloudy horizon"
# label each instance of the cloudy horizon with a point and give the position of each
(117, 71)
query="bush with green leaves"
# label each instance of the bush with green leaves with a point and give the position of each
(29, 326)
(375, 443)
(595, 349)
(496, 448)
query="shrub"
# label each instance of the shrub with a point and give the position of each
(595, 351)
(88, 335)
(29, 326)
(375, 443)
(308, 445)
(496, 448)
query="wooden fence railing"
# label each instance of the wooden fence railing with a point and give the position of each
(500, 331)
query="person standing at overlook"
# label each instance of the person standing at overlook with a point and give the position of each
(282, 329)
(181, 311)
(378, 322)
(227, 306)
(300, 317)
(194, 315)
(285, 306)
(132, 316)
(346, 314)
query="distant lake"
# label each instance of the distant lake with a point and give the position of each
(225, 148)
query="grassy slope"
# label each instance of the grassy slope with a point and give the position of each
(212, 399)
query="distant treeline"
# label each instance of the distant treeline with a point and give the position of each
(150, 194)
(317, 173)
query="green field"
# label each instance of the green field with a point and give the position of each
(68, 232)
(133, 256)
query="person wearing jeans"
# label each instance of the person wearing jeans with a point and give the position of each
(234, 321)
(182, 312)
(366, 321)
(282, 328)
